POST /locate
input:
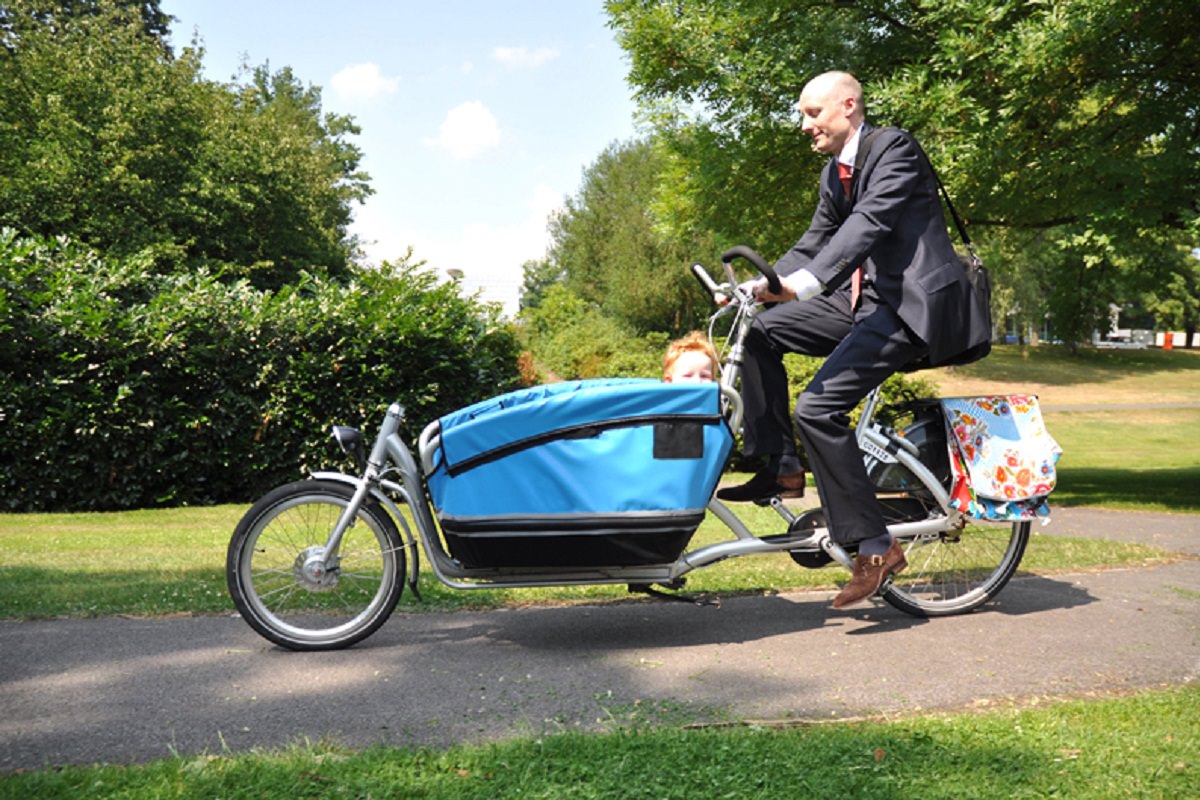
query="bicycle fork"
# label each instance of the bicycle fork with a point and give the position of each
(328, 559)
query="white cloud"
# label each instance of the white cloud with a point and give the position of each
(469, 130)
(363, 82)
(523, 57)
(490, 256)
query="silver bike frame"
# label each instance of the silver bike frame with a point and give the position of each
(391, 456)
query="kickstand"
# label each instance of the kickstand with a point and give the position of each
(646, 588)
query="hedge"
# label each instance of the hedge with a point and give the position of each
(122, 388)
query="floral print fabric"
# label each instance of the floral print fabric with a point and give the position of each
(1003, 457)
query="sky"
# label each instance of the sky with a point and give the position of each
(478, 118)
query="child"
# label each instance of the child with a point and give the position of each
(690, 358)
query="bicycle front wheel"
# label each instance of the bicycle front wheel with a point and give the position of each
(958, 571)
(285, 587)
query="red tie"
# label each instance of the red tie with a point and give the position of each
(845, 172)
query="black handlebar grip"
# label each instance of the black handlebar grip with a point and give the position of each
(741, 251)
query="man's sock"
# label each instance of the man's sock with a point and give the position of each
(875, 546)
(786, 464)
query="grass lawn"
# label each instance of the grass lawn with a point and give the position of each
(1138, 746)
(1132, 459)
(171, 561)
(1093, 377)
(1143, 456)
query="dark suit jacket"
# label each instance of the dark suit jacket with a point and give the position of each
(893, 225)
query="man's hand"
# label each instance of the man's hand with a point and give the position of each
(800, 285)
(750, 287)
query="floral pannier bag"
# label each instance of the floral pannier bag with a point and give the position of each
(1002, 458)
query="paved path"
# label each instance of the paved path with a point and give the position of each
(127, 690)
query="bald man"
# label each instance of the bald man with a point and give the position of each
(911, 301)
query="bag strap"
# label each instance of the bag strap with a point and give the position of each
(860, 158)
(958, 222)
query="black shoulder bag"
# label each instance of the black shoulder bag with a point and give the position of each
(977, 274)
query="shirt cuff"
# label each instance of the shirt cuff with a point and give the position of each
(803, 284)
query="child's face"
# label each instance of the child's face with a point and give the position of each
(691, 366)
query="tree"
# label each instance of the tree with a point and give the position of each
(106, 137)
(1176, 303)
(613, 253)
(274, 182)
(538, 275)
(1070, 128)
(58, 14)
(573, 339)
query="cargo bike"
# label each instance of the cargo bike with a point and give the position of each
(591, 482)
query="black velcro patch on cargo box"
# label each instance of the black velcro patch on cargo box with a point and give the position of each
(678, 440)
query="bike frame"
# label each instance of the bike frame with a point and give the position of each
(393, 477)
(285, 569)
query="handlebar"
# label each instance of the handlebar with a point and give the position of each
(741, 251)
(727, 258)
(705, 280)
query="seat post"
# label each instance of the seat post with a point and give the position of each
(870, 406)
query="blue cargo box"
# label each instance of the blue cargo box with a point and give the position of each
(612, 472)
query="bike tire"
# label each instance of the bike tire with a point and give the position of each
(289, 606)
(955, 573)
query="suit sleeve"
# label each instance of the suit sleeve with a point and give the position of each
(834, 246)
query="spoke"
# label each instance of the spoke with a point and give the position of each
(260, 573)
(288, 589)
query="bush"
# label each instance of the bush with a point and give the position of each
(123, 389)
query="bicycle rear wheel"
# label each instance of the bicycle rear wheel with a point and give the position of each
(277, 575)
(957, 571)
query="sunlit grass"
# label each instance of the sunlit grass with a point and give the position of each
(1140, 746)
(1090, 377)
(1143, 459)
(171, 561)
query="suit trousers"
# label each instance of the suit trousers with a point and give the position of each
(862, 350)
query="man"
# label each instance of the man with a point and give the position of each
(912, 300)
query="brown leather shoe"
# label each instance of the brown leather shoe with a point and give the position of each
(764, 484)
(869, 574)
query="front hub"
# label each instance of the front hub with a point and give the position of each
(311, 571)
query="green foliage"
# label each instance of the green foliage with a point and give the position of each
(108, 138)
(120, 388)
(573, 339)
(155, 23)
(1066, 132)
(612, 252)
(1176, 302)
(537, 277)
